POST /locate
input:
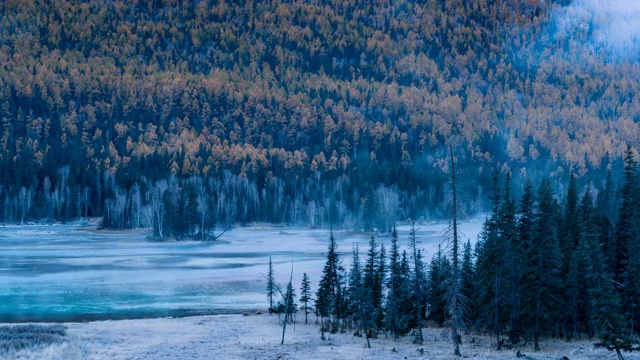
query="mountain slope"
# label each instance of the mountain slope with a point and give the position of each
(351, 93)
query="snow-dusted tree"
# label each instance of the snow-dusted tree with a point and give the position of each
(329, 295)
(419, 280)
(312, 209)
(388, 203)
(398, 309)
(360, 299)
(373, 282)
(271, 286)
(156, 195)
(25, 199)
(136, 206)
(203, 210)
(305, 296)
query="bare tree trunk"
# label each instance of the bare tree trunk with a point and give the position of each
(418, 290)
(455, 290)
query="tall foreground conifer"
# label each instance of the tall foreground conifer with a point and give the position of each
(305, 296)
(541, 281)
(329, 302)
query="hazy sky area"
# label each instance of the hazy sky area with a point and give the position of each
(615, 23)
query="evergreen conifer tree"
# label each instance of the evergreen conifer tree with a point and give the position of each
(492, 268)
(372, 284)
(329, 302)
(360, 299)
(271, 286)
(396, 321)
(541, 280)
(439, 273)
(419, 280)
(305, 296)
(468, 285)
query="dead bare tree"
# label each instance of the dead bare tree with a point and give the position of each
(287, 298)
(455, 291)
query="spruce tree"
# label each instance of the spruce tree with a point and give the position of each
(419, 280)
(439, 274)
(512, 260)
(288, 304)
(541, 280)
(360, 299)
(492, 269)
(627, 222)
(490, 275)
(576, 285)
(454, 298)
(329, 302)
(468, 285)
(396, 322)
(271, 286)
(606, 314)
(628, 242)
(380, 281)
(305, 296)
(568, 235)
(407, 302)
(372, 284)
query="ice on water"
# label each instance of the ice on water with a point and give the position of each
(68, 272)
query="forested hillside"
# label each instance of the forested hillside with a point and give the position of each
(183, 115)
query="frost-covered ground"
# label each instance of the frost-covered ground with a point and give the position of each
(258, 337)
(74, 273)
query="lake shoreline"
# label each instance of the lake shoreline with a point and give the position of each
(26, 318)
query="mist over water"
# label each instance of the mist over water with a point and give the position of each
(612, 26)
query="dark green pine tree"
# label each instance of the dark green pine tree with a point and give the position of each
(360, 299)
(439, 275)
(606, 199)
(492, 269)
(369, 212)
(407, 302)
(569, 230)
(569, 233)
(526, 217)
(490, 279)
(396, 321)
(419, 280)
(355, 285)
(329, 302)
(606, 209)
(606, 313)
(627, 222)
(513, 259)
(468, 287)
(305, 296)
(380, 281)
(271, 286)
(628, 242)
(541, 281)
(372, 284)
(288, 304)
(576, 285)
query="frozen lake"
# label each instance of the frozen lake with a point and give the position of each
(69, 272)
